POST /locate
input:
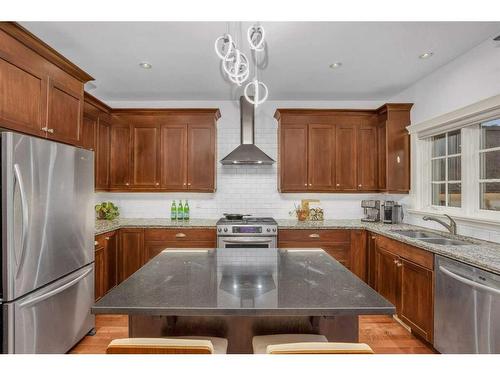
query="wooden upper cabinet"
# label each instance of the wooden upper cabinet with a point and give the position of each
(64, 113)
(397, 157)
(293, 157)
(321, 157)
(120, 156)
(41, 92)
(173, 156)
(345, 160)
(201, 157)
(367, 146)
(145, 154)
(89, 127)
(102, 154)
(23, 97)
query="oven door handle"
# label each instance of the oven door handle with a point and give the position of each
(247, 241)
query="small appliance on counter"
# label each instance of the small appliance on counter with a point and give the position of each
(371, 210)
(392, 212)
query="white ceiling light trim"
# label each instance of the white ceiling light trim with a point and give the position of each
(237, 66)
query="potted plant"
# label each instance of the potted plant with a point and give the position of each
(106, 211)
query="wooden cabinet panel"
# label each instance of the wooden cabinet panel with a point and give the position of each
(414, 254)
(345, 158)
(311, 235)
(111, 260)
(23, 97)
(387, 275)
(321, 157)
(64, 113)
(99, 273)
(145, 154)
(181, 235)
(120, 156)
(367, 178)
(173, 156)
(358, 253)
(89, 126)
(131, 255)
(293, 157)
(370, 259)
(201, 157)
(102, 155)
(416, 306)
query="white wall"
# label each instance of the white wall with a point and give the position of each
(242, 189)
(471, 77)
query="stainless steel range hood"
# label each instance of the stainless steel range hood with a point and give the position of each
(247, 152)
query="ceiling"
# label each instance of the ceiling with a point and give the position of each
(379, 59)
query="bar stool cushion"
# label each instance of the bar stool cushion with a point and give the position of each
(219, 344)
(320, 348)
(260, 343)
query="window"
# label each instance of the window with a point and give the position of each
(446, 164)
(489, 165)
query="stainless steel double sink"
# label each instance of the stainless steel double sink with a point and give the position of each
(430, 237)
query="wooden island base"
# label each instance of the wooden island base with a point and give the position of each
(239, 330)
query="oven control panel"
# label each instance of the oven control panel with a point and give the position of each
(247, 230)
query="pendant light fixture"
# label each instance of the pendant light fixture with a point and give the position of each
(236, 65)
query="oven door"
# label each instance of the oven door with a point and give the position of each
(246, 242)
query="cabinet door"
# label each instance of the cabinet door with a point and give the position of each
(23, 98)
(416, 307)
(321, 157)
(120, 157)
(371, 270)
(387, 275)
(131, 252)
(111, 261)
(64, 113)
(89, 126)
(345, 160)
(201, 157)
(99, 268)
(173, 156)
(398, 150)
(102, 154)
(293, 157)
(145, 152)
(367, 157)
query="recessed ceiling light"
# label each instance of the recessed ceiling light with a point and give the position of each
(145, 65)
(426, 55)
(335, 65)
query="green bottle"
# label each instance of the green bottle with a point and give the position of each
(180, 211)
(173, 211)
(186, 210)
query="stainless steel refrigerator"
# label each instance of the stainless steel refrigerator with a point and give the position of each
(47, 269)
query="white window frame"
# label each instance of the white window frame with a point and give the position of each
(468, 120)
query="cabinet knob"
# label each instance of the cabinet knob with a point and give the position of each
(338, 184)
(45, 128)
(106, 238)
(127, 184)
(157, 184)
(180, 235)
(96, 243)
(50, 131)
(305, 184)
(310, 184)
(360, 185)
(398, 159)
(189, 183)
(184, 184)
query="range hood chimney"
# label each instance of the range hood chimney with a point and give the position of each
(247, 152)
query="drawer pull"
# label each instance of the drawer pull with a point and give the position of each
(314, 235)
(180, 235)
(106, 238)
(96, 243)
(51, 131)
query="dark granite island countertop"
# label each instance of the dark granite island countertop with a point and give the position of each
(243, 282)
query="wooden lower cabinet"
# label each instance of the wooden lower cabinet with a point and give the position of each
(99, 272)
(404, 275)
(131, 255)
(105, 267)
(337, 243)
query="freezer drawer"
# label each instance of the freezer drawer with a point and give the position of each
(467, 309)
(54, 318)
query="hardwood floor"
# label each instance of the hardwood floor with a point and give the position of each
(382, 333)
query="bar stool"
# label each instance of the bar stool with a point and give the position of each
(304, 344)
(169, 345)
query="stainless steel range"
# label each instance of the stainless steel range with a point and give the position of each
(247, 232)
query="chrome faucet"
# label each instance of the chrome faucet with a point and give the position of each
(452, 227)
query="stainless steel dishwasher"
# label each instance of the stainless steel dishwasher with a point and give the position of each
(466, 309)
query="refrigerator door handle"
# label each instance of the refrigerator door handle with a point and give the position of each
(25, 217)
(55, 291)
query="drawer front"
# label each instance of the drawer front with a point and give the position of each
(181, 234)
(421, 257)
(153, 248)
(321, 235)
(340, 252)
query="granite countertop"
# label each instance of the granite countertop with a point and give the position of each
(245, 282)
(479, 253)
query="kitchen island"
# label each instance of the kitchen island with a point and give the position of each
(239, 293)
